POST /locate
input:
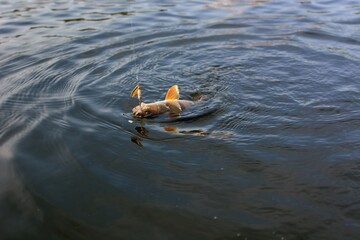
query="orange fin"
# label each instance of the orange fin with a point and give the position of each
(136, 91)
(174, 106)
(171, 129)
(173, 93)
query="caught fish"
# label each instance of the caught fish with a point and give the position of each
(172, 104)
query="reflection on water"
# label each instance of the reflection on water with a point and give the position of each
(270, 153)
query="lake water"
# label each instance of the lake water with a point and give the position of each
(271, 152)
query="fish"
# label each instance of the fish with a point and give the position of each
(172, 104)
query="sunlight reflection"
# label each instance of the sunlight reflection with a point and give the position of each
(234, 5)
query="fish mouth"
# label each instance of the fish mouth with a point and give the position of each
(142, 115)
(139, 115)
(137, 112)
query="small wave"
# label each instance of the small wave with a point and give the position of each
(325, 36)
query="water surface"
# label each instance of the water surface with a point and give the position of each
(272, 151)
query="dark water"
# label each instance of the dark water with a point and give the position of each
(272, 151)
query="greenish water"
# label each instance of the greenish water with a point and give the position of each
(271, 152)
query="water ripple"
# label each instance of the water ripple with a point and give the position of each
(271, 144)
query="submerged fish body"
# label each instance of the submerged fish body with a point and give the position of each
(161, 107)
(171, 104)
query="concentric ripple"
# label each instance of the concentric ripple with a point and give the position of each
(270, 151)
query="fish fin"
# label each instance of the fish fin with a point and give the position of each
(135, 91)
(143, 131)
(174, 106)
(173, 93)
(171, 129)
(137, 140)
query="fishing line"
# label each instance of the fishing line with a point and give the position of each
(136, 67)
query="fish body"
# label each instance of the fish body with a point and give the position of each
(161, 107)
(171, 104)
